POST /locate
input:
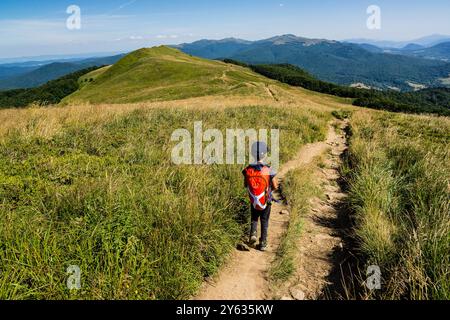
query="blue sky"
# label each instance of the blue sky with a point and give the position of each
(30, 28)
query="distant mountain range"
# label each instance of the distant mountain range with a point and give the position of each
(427, 41)
(333, 61)
(440, 51)
(32, 74)
(403, 66)
(57, 58)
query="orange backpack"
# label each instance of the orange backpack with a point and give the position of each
(258, 186)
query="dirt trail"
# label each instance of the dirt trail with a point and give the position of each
(245, 277)
(322, 245)
(270, 92)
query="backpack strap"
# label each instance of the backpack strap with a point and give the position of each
(257, 199)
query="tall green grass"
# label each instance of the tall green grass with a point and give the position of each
(399, 180)
(105, 196)
(299, 187)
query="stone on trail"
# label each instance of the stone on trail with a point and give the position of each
(297, 294)
(242, 247)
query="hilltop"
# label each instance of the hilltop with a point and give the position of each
(162, 74)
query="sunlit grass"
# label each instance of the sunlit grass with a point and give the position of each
(399, 191)
(95, 187)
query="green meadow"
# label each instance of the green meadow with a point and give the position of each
(399, 185)
(104, 195)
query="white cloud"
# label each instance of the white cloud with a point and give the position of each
(164, 36)
(124, 5)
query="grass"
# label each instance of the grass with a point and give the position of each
(399, 178)
(92, 76)
(94, 186)
(299, 187)
(163, 74)
(342, 114)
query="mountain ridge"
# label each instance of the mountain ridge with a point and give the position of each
(23, 77)
(427, 41)
(329, 60)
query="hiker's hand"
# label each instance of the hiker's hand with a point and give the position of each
(276, 184)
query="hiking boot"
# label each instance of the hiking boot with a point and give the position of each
(263, 246)
(253, 240)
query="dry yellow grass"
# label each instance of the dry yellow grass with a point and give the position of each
(45, 122)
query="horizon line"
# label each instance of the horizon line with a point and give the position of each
(68, 55)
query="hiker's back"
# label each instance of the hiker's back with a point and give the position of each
(258, 182)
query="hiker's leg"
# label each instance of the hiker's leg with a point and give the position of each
(254, 223)
(265, 217)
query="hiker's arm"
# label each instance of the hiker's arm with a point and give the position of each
(275, 183)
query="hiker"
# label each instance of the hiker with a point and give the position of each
(260, 181)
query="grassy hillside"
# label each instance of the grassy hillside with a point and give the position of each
(91, 182)
(399, 178)
(95, 187)
(163, 73)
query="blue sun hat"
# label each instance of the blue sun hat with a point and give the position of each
(259, 151)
